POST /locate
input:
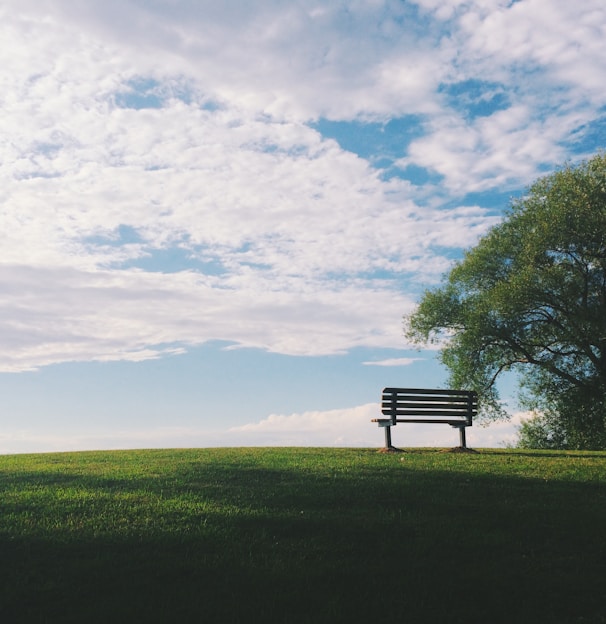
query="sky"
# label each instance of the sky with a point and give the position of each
(215, 215)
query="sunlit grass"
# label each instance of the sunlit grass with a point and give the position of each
(302, 535)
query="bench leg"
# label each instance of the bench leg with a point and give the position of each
(387, 437)
(463, 441)
(389, 448)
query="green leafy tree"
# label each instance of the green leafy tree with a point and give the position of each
(542, 431)
(530, 298)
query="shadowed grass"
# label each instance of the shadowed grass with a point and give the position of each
(302, 535)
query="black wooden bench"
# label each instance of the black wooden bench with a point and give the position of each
(412, 405)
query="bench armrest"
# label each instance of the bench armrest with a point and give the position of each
(383, 422)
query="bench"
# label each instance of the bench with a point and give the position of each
(412, 405)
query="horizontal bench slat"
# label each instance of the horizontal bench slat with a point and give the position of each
(425, 406)
(419, 399)
(429, 401)
(420, 391)
(424, 412)
(425, 418)
(439, 421)
(426, 399)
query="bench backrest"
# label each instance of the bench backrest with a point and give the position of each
(454, 407)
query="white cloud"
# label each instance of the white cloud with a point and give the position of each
(565, 40)
(312, 250)
(347, 427)
(29, 441)
(393, 362)
(353, 427)
(279, 211)
(496, 434)
(499, 151)
(54, 315)
(340, 427)
(278, 57)
(550, 59)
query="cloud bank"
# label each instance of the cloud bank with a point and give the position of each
(348, 427)
(164, 181)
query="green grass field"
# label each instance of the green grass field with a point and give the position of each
(303, 535)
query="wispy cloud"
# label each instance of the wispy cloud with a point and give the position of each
(191, 127)
(393, 362)
(347, 427)
(353, 427)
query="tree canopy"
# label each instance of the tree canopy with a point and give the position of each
(530, 297)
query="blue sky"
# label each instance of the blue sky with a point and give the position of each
(213, 216)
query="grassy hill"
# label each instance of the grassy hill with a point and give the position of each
(303, 535)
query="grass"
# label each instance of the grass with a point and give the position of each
(303, 535)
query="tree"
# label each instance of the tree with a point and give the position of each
(530, 298)
(542, 431)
